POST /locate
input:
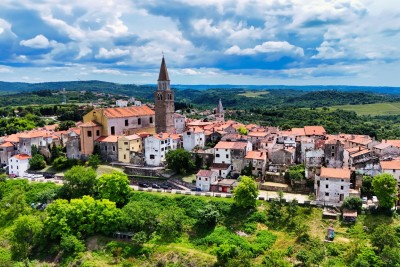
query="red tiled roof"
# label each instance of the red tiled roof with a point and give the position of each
(14, 138)
(34, 134)
(22, 156)
(206, 173)
(89, 124)
(392, 142)
(108, 139)
(256, 155)
(219, 166)
(6, 144)
(390, 165)
(231, 145)
(314, 130)
(335, 173)
(298, 131)
(124, 112)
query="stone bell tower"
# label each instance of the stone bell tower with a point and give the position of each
(164, 102)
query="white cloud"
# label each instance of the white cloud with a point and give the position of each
(112, 53)
(38, 42)
(107, 71)
(5, 69)
(275, 49)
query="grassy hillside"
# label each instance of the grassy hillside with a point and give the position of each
(375, 109)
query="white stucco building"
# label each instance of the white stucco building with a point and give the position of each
(18, 164)
(193, 138)
(156, 146)
(180, 123)
(391, 167)
(332, 185)
(204, 178)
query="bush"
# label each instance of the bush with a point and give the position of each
(352, 203)
(37, 162)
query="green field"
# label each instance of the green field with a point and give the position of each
(254, 94)
(373, 109)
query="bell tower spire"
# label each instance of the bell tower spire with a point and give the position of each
(164, 101)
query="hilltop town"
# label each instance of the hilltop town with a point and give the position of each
(138, 137)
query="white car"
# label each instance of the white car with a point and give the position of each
(374, 199)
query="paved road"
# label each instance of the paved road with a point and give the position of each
(265, 195)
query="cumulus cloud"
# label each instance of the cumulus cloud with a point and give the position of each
(112, 53)
(275, 49)
(38, 42)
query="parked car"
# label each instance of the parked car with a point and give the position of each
(374, 199)
(143, 185)
(196, 189)
(165, 186)
(155, 186)
(48, 175)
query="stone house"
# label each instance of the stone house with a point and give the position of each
(73, 144)
(385, 150)
(334, 154)
(283, 156)
(258, 160)
(7, 150)
(313, 162)
(332, 185)
(108, 148)
(204, 179)
(180, 123)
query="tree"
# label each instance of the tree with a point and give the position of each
(37, 162)
(55, 151)
(34, 150)
(170, 223)
(115, 187)
(26, 233)
(79, 181)
(65, 125)
(384, 235)
(61, 163)
(366, 188)
(242, 130)
(352, 203)
(248, 170)
(180, 161)
(296, 172)
(246, 193)
(385, 188)
(94, 161)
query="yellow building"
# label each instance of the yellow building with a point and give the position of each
(125, 120)
(128, 146)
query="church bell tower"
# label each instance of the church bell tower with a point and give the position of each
(164, 102)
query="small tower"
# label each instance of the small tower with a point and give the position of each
(164, 102)
(219, 112)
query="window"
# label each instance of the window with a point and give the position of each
(342, 180)
(113, 148)
(151, 119)
(97, 132)
(206, 179)
(217, 155)
(125, 143)
(333, 147)
(139, 121)
(89, 133)
(112, 130)
(326, 186)
(126, 123)
(162, 149)
(326, 179)
(124, 156)
(333, 154)
(152, 156)
(199, 178)
(327, 194)
(342, 187)
(105, 148)
(227, 156)
(162, 142)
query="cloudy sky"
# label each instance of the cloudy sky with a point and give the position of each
(346, 42)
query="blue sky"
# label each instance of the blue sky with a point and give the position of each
(291, 42)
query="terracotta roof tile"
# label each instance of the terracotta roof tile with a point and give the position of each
(390, 165)
(259, 155)
(89, 124)
(108, 139)
(335, 173)
(22, 156)
(125, 112)
(231, 145)
(206, 173)
(7, 144)
(13, 138)
(314, 130)
(392, 142)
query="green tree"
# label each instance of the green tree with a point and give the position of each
(34, 150)
(70, 245)
(26, 234)
(248, 170)
(61, 163)
(246, 193)
(114, 186)
(384, 235)
(56, 151)
(65, 125)
(352, 203)
(385, 187)
(296, 172)
(94, 161)
(37, 162)
(242, 130)
(140, 216)
(366, 188)
(79, 181)
(180, 161)
(170, 223)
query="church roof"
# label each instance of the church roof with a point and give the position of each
(163, 76)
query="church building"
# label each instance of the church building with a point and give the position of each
(164, 102)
